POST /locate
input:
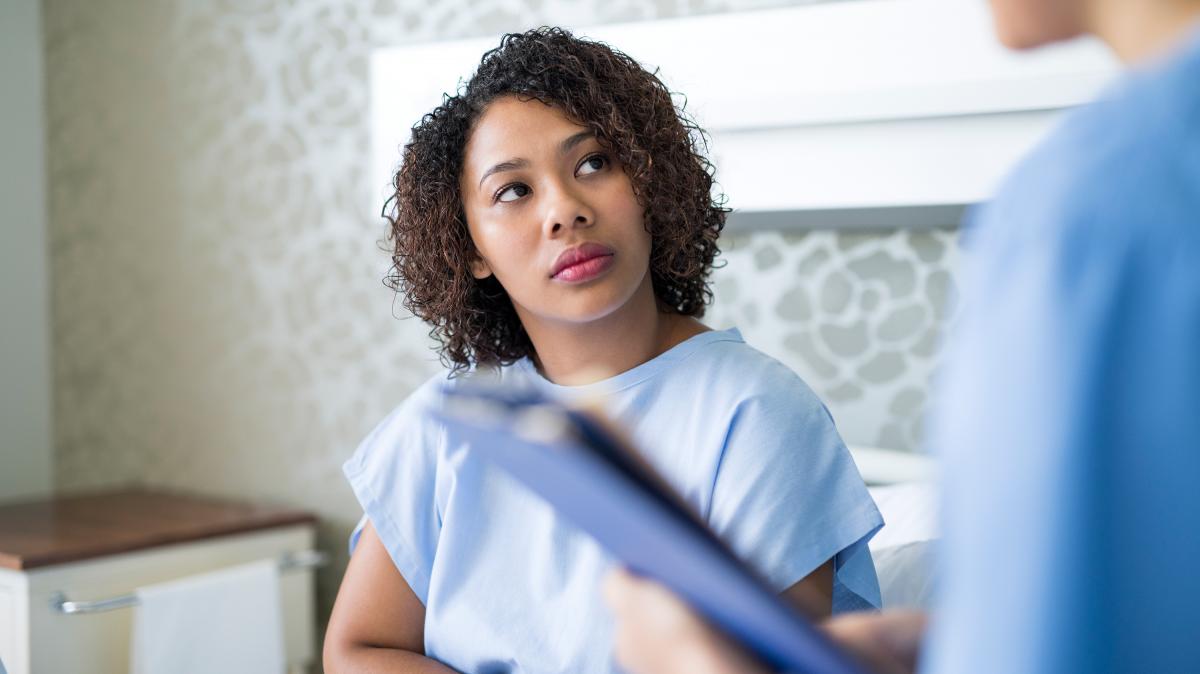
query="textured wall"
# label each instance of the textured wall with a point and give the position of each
(219, 321)
(857, 315)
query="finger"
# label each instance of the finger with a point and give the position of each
(648, 605)
(888, 642)
(620, 589)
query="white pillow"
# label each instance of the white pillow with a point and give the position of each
(906, 574)
(903, 548)
(909, 513)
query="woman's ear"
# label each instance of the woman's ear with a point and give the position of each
(480, 269)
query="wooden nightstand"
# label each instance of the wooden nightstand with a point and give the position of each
(68, 567)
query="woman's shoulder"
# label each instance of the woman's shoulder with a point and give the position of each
(414, 419)
(428, 394)
(740, 371)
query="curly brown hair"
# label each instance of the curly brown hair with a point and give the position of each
(631, 113)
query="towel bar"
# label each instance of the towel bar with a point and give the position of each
(290, 562)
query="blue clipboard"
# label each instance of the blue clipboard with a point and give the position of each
(582, 469)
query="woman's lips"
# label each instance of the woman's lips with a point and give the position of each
(582, 263)
(586, 270)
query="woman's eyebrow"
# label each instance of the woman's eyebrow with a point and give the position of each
(510, 165)
(567, 145)
(514, 164)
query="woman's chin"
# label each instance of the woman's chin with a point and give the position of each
(592, 307)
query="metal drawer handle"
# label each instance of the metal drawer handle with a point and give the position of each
(292, 561)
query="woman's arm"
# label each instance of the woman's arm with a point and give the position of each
(813, 594)
(378, 623)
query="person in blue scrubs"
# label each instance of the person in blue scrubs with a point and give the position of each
(1069, 421)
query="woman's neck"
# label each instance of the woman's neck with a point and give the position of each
(1139, 30)
(573, 354)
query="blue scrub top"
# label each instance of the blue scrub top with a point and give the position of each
(510, 586)
(1069, 414)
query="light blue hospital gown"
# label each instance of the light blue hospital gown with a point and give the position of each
(1070, 413)
(510, 586)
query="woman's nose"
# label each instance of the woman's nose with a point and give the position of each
(566, 210)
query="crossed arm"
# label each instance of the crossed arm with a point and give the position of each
(377, 623)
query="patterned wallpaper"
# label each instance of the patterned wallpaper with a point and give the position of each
(219, 321)
(857, 315)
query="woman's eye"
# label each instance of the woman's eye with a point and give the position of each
(592, 164)
(512, 192)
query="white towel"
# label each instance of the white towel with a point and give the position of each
(227, 621)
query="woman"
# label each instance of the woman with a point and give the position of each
(554, 224)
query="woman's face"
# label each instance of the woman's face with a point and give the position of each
(552, 215)
(1025, 24)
